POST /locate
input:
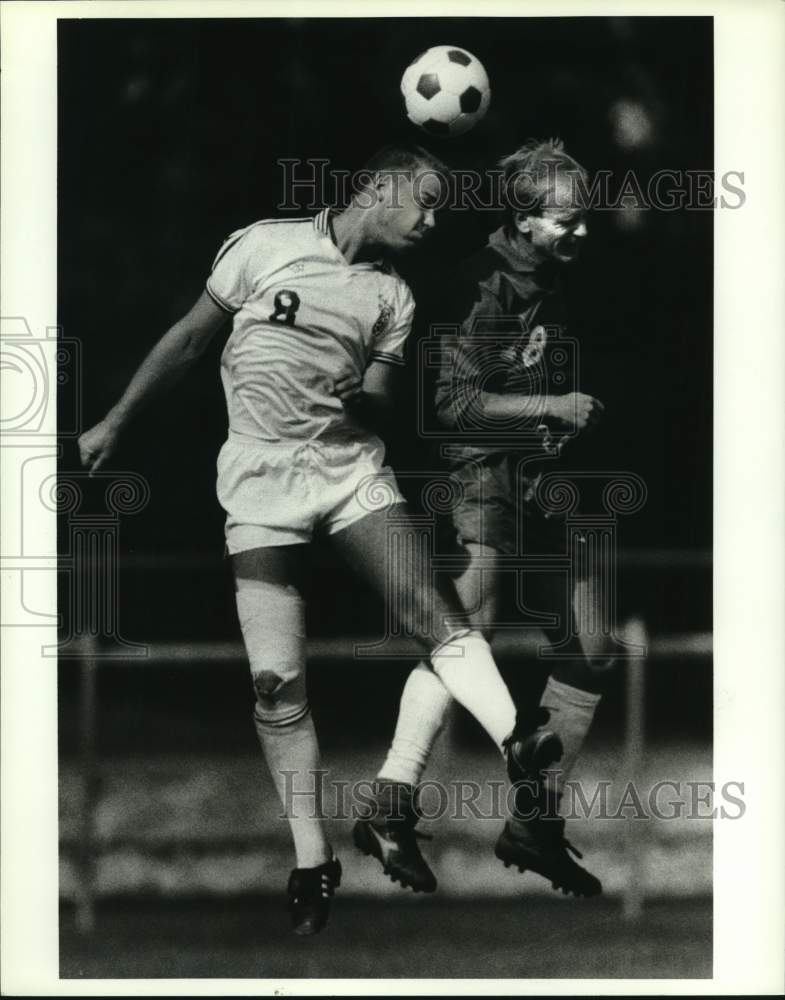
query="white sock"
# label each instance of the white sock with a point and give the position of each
(572, 710)
(467, 669)
(295, 748)
(424, 702)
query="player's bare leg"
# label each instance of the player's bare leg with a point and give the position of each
(270, 605)
(575, 686)
(425, 700)
(534, 748)
(460, 655)
(571, 696)
(421, 715)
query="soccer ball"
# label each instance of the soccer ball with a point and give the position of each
(446, 90)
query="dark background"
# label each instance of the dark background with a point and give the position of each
(169, 132)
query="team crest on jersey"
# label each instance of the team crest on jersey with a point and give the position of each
(532, 353)
(528, 352)
(383, 320)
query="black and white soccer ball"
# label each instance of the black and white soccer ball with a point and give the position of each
(446, 90)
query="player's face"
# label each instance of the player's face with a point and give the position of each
(407, 209)
(560, 230)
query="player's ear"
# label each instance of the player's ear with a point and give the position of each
(522, 223)
(380, 184)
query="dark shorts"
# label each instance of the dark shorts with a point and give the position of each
(497, 507)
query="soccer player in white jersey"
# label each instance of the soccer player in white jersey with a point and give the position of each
(319, 321)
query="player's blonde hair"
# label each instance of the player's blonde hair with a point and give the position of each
(531, 172)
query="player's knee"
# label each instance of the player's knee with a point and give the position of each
(588, 673)
(279, 684)
(267, 684)
(601, 653)
(275, 669)
(279, 703)
(601, 665)
(277, 673)
(272, 622)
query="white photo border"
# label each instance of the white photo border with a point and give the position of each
(749, 681)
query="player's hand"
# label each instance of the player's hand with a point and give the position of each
(97, 445)
(349, 388)
(575, 410)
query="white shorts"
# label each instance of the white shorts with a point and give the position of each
(280, 494)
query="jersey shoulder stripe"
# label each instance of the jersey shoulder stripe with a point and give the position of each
(238, 234)
(225, 307)
(321, 222)
(390, 359)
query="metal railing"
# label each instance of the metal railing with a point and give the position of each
(688, 646)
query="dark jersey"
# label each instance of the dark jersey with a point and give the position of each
(506, 334)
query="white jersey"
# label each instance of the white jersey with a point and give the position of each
(303, 316)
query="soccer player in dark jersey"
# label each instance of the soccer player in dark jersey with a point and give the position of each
(513, 421)
(319, 319)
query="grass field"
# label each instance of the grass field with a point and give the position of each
(184, 827)
(409, 937)
(191, 860)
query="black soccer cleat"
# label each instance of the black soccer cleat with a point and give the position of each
(540, 846)
(532, 748)
(310, 891)
(391, 838)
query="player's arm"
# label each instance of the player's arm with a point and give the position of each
(174, 354)
(371, 397)
(574, 411)
(464, 372)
